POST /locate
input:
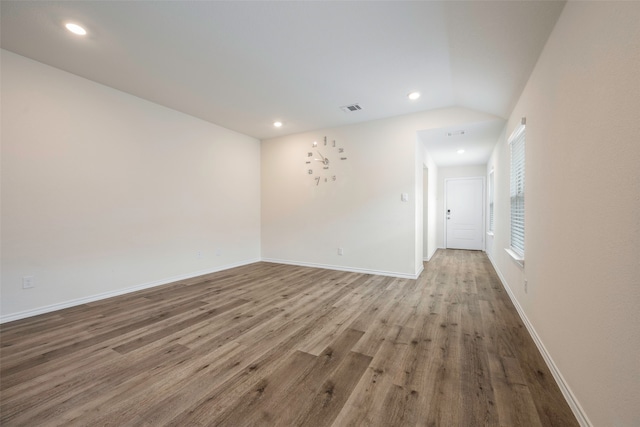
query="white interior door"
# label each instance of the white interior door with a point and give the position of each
(464, 213)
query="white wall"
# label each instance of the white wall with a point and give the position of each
(449, 172)
(419, 204)
(582, 262)
(103, 192)
(425, 213)
(361, 212)
(431, 220)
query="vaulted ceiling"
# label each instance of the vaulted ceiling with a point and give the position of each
(244, 65)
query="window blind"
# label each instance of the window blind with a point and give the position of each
(517, 188)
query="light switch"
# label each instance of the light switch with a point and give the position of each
(28, 282)
(404, 197)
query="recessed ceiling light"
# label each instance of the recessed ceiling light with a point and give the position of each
(414, 95)
(277, 124)
(460, 151)
(76, 29)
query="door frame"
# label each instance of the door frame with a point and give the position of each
(484, 208)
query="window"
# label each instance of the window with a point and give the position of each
(517, 189)
(491, 197)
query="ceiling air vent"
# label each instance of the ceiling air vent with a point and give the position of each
(350, 108)
(456, 133)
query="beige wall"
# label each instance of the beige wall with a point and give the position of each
(582, 262)
(103, 192)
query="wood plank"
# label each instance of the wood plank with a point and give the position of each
(299, 397)
(334, 392)
(514, 403)
(177, 327)
(7, 371)
(53, 401)
(477, 393)
(400, 407)
(291, 387)
(365, 405)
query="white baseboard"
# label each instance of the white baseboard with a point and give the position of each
(349, 269)
(575, 406)
(429, 256)
(92, 298)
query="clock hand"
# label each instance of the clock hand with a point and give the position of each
(324, 159)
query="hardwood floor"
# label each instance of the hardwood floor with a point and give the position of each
(277, 345)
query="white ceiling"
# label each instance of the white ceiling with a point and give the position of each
(477, 141)
(243, 65)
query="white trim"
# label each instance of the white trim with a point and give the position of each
(429, 256)
(109, 294)
(92, 298)
(571, 399)
(517, 131)
(517, 258)
(349, 269)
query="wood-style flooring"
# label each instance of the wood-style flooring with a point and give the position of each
(279, 345)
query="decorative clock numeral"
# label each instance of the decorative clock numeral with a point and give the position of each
(310, 171)
(309, 154)
(334, 142)
(340, 150)
(317, 178)
(333, 178)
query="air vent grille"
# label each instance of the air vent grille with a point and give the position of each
(351, 108)
(456, 133)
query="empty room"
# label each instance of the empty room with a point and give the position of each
(320, 213)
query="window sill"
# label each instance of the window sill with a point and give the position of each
(518, 259)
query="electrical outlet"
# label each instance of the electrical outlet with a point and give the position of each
(526, 286)
(28, 282)
(340, 251)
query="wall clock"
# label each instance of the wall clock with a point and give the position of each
(322, 159)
